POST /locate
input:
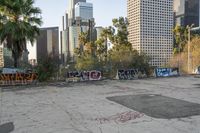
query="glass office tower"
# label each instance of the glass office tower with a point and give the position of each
(187, 12)
(84, 10)
(71, 10)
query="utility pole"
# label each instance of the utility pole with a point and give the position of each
(179, 54)
(189, 33)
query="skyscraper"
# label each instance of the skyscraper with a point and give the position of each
(187, 12)
(84, 18)
(98, 31)
(47, 43)
(71, 10)
(150, 29)
(84, 10)
(78, 19)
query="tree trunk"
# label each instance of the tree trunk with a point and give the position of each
(15, 62)
(15, 57)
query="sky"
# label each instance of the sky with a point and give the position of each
(104, 11)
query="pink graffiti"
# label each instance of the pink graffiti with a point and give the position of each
(83, 76)
(121, 118)
(95, 75)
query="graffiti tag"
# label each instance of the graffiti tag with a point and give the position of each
(121, 117)
(83, 76)
(166, 72)
(130, 74)
(18, 78)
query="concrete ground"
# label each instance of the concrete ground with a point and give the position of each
(84, 107)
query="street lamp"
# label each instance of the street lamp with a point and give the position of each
(189, 41)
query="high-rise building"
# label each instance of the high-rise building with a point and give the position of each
(64, 39)
(84, 21)
(84, 10)
(187, 12)
(80, 19)
(150, 29)
(71, 10)
(48, 43)
(75, 31)
(98, 31)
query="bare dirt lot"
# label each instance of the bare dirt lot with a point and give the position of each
(165, 105)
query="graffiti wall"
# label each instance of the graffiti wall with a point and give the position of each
(130, 74)
(166, 72)
(83, 76)
(18, 78)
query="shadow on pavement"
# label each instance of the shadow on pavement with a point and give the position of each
(7, 127)
(158, 106)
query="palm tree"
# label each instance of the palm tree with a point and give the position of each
(19, 24)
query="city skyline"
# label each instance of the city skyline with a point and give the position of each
(53, 11)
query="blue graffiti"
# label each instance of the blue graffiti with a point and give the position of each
(166, 72)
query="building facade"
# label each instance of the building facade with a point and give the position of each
(78, 19)
(98, 31)
(187, 12)
(64, 39)
(71, 10)
(150, 29)
(48, 43)
(84, 10)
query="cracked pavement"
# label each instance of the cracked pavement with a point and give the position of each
(83, 107)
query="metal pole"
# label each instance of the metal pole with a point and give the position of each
(189, 49)
(179, 55)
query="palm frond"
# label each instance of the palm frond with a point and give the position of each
(35, 21)
(19, 21)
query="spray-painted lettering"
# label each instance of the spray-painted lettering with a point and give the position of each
(83, 76)
(166, 72)
(130, 74)
(18, 78)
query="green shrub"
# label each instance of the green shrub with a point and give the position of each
(46, 68)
